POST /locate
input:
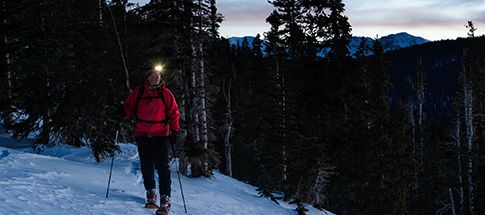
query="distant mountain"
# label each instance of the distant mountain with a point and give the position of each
(390, 42)
(401, 40)
(239, 40)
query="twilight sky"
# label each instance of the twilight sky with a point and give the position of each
(431, 19)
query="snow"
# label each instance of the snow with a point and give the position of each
(401, 40)
(390, 42)
(65, 180)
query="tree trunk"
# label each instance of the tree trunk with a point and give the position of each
(202, 107)
(201, 92)
(7, 53)
(189, 100)
(179, 77)
(44, 137)
(8, 119)
(453, 211)
(284, 120)
(457, 140)
(468, 106)
(100, 12)
(413, 127)
(187, 116)
(194, 96)
(228, 126)
(420, 115)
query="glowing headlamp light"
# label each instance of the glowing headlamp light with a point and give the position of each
(158, 68)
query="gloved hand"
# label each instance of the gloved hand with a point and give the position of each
(172, 138)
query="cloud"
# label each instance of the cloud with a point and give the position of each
(442, 18)
(250, 16)
(465, 3)
(416, 14)
(243, 5)
(244, 17)
(480, 18)
(405, 18)
(393, 4)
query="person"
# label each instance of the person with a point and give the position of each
(157, 124)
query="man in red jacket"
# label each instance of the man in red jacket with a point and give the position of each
(157, 124)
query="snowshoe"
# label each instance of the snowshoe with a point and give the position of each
(164, 206)
(151, 201)
(151, 205)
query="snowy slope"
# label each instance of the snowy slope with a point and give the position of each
(65, 180)
(401, 40)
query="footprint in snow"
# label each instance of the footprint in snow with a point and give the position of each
(4, 154)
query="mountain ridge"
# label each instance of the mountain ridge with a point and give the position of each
(389, 42)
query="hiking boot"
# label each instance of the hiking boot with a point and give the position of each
(151, 201)
(164, 205)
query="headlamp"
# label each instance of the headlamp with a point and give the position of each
(158, 68)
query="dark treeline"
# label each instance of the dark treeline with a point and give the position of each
(331, 132)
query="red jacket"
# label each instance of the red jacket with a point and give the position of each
(152, 108)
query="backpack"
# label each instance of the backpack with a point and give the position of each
(160, 96)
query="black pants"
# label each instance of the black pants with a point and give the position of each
(153, 152)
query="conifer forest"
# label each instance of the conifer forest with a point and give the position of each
(292, 112)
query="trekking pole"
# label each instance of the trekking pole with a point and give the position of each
(111, 168)
(178, 174)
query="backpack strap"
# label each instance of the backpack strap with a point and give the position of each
(140, 96)
(160, 92)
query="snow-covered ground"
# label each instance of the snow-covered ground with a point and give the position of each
(65, 180)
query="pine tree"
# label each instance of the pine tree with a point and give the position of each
(60, 64)
(227, 92)
(389, 152)
(371, 156)
(315, 103)
(275, 50)
(257, 88)
(288, 15)
(468, 76)
(457, 143)
(6, 51)
(425, 169)
(475, 62)
(285, 34)
(206, 22)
